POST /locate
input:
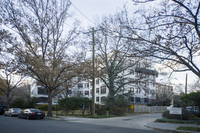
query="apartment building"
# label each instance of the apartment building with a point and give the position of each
(141, 91)
(140, 87)
(163, 89)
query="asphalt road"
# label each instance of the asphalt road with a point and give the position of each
(16, 125)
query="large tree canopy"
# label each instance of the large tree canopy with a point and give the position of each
(45, 40)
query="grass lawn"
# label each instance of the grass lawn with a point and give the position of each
(165, 120)
(196, 129)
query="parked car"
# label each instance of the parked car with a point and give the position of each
(12, 112)
(2, 109)
(193, 110)
(31, 113)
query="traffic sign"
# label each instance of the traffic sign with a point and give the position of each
(132, 106)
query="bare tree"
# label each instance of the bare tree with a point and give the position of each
(170, 33)
(194, 87)
(44, 40)
(115, 62)
(10, 79)
(9, 68)
(164, 94)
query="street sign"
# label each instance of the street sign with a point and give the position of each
(56, 100)
(132, 106)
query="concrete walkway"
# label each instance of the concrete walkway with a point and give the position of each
(170, 127)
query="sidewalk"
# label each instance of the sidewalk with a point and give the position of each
(171, 127)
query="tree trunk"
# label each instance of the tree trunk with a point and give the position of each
(49, 114)
(8, 101)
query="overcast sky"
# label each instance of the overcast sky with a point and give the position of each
(96, 9)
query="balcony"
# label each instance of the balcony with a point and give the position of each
(146, 71)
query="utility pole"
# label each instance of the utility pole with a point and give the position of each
(93, 73)
(186, 84)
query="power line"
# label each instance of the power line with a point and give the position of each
(101, 28)
(82, 13)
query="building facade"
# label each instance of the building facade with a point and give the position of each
(163, 89)
(140, 87)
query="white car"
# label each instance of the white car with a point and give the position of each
(12, 112)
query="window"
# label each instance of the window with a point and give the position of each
(103, 90)
(86, 92)
(69, 91)
(26, 111)
(34, 110)
(154, 81)
(136, 82)
(42, 91)
(131, 90)
(132, 99)
(91, 92)
(146, 92)
(137, 99)
(139, 75)
(146, 100)
(138, 90)
(97, 81)
(80, 93)
(97, 99)
(138, 64)
(86, 85)
(97, 90)
(103, 99)
(80, 85)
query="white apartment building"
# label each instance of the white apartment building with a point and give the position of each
(39, 92)
(84, 88)
(142, 91)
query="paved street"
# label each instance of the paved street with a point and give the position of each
(15, 125)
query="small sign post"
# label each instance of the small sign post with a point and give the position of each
(176, 111)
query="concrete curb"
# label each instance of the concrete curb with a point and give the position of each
(160, 129)
(53, 118)
(168, 130)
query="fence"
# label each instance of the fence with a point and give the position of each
(149, 109)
